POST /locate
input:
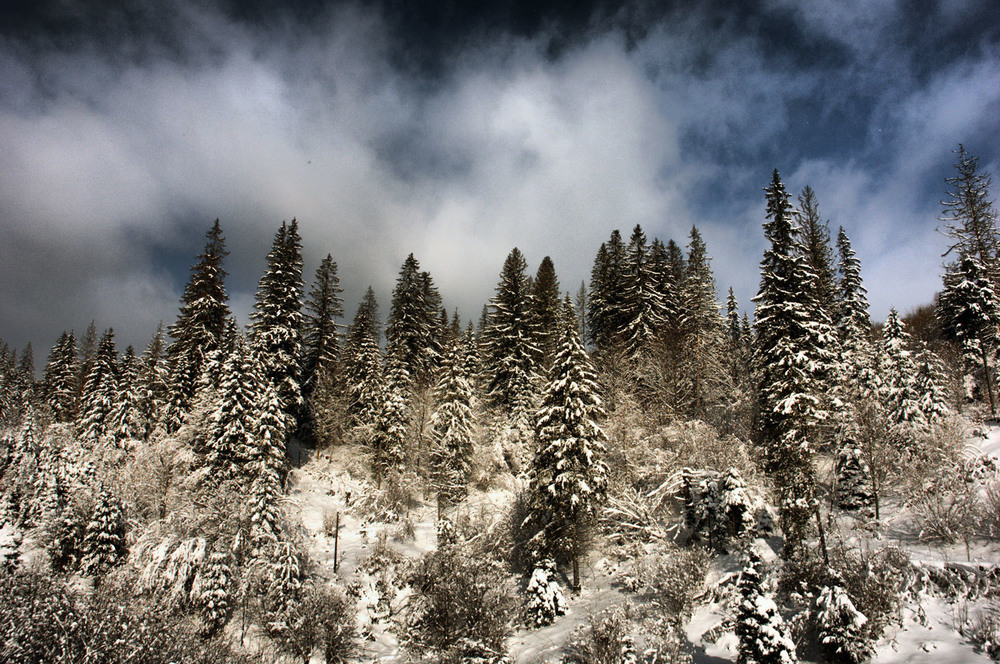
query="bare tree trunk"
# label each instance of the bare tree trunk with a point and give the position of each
(576, 554)
(989, 381)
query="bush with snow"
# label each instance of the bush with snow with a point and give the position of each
(843, 635)
(607, 639)
(545, 598)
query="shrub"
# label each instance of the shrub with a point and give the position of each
(606, 640)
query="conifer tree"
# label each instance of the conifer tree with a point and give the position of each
(277, 318)
(969, 216)
(100, 392)
(902, 400)
(510, 351)
(87, 350)
(413, 326)
(969, 311)
(231, 425)
(61, 378)
(792, 353)
(127, 421)
(546, 311)
(639, 296)
(763, 637)
(321, 345)
(199, 327)
(104, 544)
(154, 380)
(569, 476)
(212, 591)
(843, 635)
(819, 254)
(605, 316)
(266, 469)
(702, 327)
(929, 384)
(363, 363)
(452, 430)
(388, 441)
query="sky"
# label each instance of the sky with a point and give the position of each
(457, 131)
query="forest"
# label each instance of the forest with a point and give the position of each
(628, 471)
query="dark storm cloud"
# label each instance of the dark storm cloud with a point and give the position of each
(458, 133)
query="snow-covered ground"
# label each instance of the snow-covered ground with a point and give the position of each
(322, 488)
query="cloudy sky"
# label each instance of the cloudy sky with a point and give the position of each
(458, 133)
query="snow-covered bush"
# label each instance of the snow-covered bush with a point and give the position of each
(763, 636)
(462, 608)
(379, 581)
(843, 636)
(984, 633)
(718, 507)
(607, 639)
(545, 598)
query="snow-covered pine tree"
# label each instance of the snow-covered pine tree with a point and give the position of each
(969, 312)
(843, 637)
(154, 380)
(763, 637)
(510, 357)
(363, 379)
(969, 216)
(452, 431)
(929, 384)
(792, 358)
(639, 297)
(388, 439)
(853, 491)
(412, 330)
(545, 598)
(320, 340)
(852, 320)
(276, 329)
(568, 476)
(100, 393)
(902, 400)
(212, 591)
(229, 438)
(546, 312)
(200, 324)
(819, 254)
(605, 313)
(61, 379)
(104, 544)
(704, 370)
(127, 421)
(266, 468)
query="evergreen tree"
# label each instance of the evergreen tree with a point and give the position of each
(26, 368)
(452, 430)
(61, 378)
(969, 217)
(605, 316)
(969, 311)
(510, 352)
(321, 346)
(212, 591)
(569, 477)
(929, 384)
(792, 354)
(277, 318)
(704, 369)
(88, 351)
(902, 400)
(199, 327)
(763, 638)
(231, 425)
(363, 363)
(819, 254)
(843, 635)
(852, 493)
(388, 439)
(154, 385)
(413, 325)
(546, 311)
(639, 296)
(100, 392)
(267, 469)
(104, 544)
(127, 421)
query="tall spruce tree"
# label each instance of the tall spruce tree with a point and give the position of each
(899, 370)
(232, 424)
(413, 327)
(388, 439)
(321, 344)
(969, 216)
(569, 476)
(200, 325)
(546, 311)
(510, 357)
(100, 392)
(606, 313)
(363, 363)
(127, 421)
(639, 296)
(154, 385)
(277, 318)
(819, 254)
(969, 312)
(61, 378)
(792, 353)
(452, 430)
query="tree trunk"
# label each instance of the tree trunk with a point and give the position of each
(576, 554)
(822, 537)
(989, 381)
